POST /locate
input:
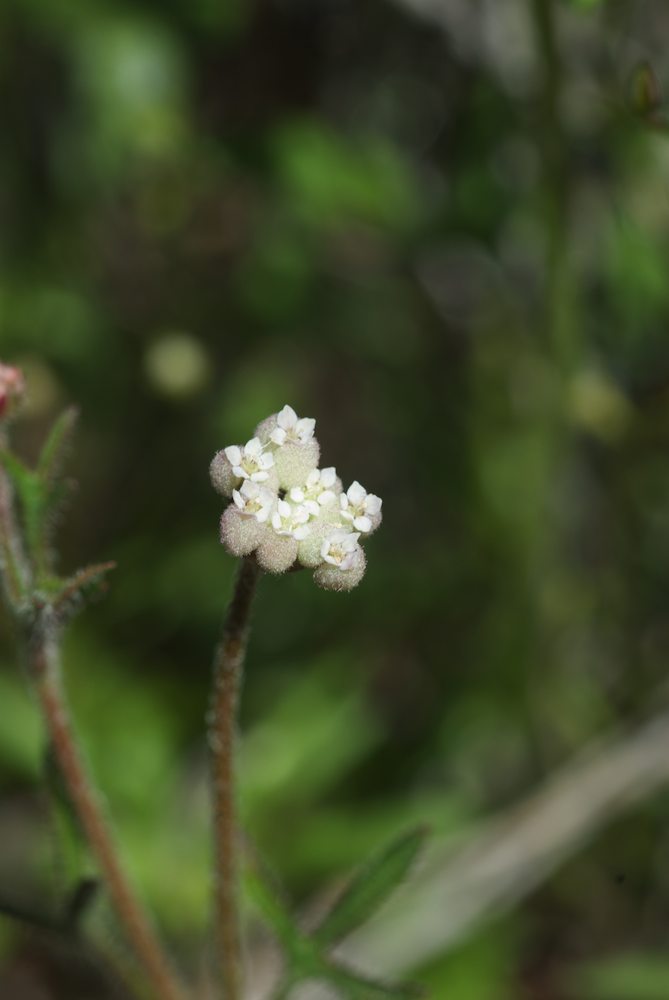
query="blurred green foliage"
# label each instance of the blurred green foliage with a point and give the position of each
(443, 233)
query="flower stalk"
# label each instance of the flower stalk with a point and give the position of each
(44, 664)
(227, 680)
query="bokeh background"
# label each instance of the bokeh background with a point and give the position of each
(440, 227)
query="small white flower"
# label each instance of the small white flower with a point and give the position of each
(318, 491)
(360, 508)
(253, 500)
(292, 428)
(339, 548)
(250, 461)
(291, 519)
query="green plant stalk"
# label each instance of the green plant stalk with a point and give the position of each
(227, 679)
(44, 664)
(553, 147)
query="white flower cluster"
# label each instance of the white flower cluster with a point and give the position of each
(288, 511)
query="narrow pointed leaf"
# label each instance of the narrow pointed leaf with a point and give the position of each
(265, 892)
(267, 899)
(84, 585)
(55, 447)
(370, 887)
(301, 954)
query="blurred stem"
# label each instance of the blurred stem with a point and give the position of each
(228, 670)
(44, 663)
(555, 165)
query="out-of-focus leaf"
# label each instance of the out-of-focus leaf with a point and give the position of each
(371, 887)
(331, 179)
(623, 977)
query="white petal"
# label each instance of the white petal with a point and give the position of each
(362, 523)
(233, 454)
(348, 561)
(373, 504)
(328, 477)
(287, 418)
(338, 535)
(305, 428)
(253, 448)
(313, 477)
(263, 514)
(283, 508)
(266, 461)
(343, 501)
(278, 436)
(239, 471)
(259, 477)
(326, 498)
(301, 533)
(296, 494)
(276, 521)
(347, 515)
(301, 515)
(312, 507)
(238, 499)
(356, 492)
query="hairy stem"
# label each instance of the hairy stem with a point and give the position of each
(228, 668)
(45, 669)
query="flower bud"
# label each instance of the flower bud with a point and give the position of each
(222, 477)
(12, 389)
(239, 534)
(294, 462)
(276, 553)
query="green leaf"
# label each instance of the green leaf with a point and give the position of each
(301, 955)
(266, 895)
(55, 447)
(31, 495)
(370, 887)
(623, 977)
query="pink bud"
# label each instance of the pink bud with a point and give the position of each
(12, 388)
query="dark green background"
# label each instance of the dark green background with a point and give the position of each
(441, 231)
